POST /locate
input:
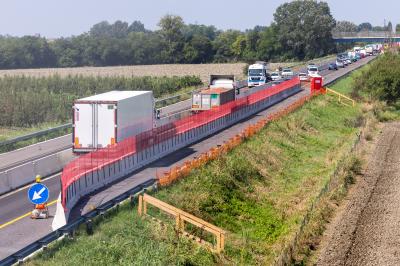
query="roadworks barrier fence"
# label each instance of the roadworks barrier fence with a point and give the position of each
(97, 169)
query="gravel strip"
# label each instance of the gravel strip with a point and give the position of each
(367, 230)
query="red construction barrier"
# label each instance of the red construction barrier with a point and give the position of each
(98, 159)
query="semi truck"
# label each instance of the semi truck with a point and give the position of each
(258, 74)
(369, 49)
(212, 98)
(108, 118)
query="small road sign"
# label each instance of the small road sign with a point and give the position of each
(38, 193)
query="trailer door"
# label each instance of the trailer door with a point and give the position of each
(205, 102)
(106, 125)
(84, 124)
(214, 100)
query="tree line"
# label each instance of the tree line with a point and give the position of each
(347, 26)
(301, 30)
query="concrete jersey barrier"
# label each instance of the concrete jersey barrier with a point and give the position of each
(24, 174)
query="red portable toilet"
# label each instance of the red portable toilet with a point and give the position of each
(316, 83)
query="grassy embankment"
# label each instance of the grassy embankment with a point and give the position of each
(259, 193)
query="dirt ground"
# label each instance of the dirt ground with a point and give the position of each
(366, 229)
(202, 70)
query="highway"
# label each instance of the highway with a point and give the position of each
(32, 152)
(15, 205)
(42, 149)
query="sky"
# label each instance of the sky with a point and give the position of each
(56, 18)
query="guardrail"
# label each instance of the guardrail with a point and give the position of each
(34, 135)
(161, 103)
(180, 218)
(68, 230)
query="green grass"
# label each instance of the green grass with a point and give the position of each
(13, 132)
(7, 133)
(259, 193)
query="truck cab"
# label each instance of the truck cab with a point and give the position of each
(257, 74)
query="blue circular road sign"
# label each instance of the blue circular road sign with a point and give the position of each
(38, 193)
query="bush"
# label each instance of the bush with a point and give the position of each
(381, 80)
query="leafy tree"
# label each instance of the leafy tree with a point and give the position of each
(119, 29)
(252, 40)
(172, 31)
(209, 32)
(397, 27)
(366, 26)
(238, 47)
(106, 30)
(101, 29)
(136, 26)
(268, 47)
(141, 45)
(389, 27)
(198, 50)
(345, 26)
(67, 53)
(222, 45)
(304, 28)
(378, 28)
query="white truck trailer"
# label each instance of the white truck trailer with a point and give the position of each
(222, 81)
(108, 118)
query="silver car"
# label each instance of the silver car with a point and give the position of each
(339, 63)
(287, 72)
(303, 77)
(275, 76)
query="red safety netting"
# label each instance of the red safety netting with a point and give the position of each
(100, 158)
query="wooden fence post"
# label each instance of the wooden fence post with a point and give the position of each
(140, 205)
(144, 207)
(178, 223)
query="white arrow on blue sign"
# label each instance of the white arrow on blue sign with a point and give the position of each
(38, 193)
